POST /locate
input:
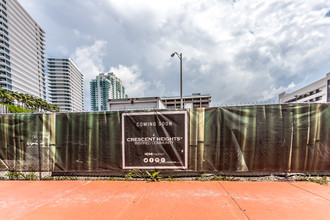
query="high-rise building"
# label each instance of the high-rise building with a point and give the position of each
(105, 86)
(22, 50)
(316, 92)
(65, 84)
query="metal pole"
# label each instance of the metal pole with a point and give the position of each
(39, 153)
(181, 80)
(180, 57)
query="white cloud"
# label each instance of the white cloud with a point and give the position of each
(272, 92)
(63, 50)
(76, 32)
(89, 60)
(237, 51)
(135, 86)
(79, 35)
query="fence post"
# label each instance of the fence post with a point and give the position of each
(39, 154)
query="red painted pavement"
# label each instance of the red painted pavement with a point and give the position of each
(163, 200)
(280, 200)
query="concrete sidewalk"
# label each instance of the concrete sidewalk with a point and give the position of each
(163, 200)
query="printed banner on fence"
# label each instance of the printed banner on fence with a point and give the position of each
(155, 140)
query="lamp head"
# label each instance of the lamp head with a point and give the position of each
(172, 55)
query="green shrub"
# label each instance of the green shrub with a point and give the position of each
(15, 109)
(14, 175)
(153, 176)
(30, 176)
(135, 173)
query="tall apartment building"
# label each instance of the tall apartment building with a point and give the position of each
(316, 92)
(105, 86)
(22, 50)
(65, 84)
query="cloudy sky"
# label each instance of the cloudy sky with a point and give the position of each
(238, 51)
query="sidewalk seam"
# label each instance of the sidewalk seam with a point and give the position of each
(232, 198)
(309, 191)
(137, 203)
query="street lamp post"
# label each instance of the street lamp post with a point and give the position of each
(180, 57)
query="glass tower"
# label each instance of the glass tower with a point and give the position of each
(105, 86)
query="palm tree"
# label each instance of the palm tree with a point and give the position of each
(2, 94)
(43, 105)
(17, 97)
(8, 98)
(26, 101)
(30, 102)
(55, 108)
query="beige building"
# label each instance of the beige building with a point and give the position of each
(135, 104)
(316, 92)
(196, 100)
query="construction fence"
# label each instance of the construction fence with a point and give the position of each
(260, 138)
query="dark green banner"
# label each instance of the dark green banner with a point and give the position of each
(154, 140)
(262, 138)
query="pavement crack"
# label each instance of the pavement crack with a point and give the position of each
(137, 203)
(232, 198)
(309, 192)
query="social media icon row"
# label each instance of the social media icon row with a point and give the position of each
(152, 160)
